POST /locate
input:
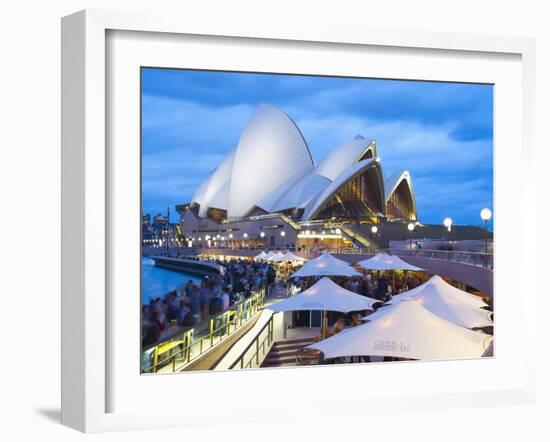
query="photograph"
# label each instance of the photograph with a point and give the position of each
(301, 220)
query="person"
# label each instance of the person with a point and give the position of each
(225, 300)
(196, 304)
(153, 331)
(215, 305)
(382, 288)
(338, 326)
(204, 295)
(356, 320)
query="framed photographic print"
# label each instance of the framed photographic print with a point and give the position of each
(265, 218)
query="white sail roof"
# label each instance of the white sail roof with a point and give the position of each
(199, 195)
(216, 193)
(407, 331)
(270, 151)
(271, 168)
(297, 193)
(343, 156)
(339, 181)
(391, 183)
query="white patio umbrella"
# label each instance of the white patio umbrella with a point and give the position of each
(444, 289)
(410, 331)
(442, 305)
(289, 256)
(269, 255)
(383, 261)
(277, 257)
(325, 295)
(262, 255)
(326, 265)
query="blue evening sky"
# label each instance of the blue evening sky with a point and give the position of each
(441, 132)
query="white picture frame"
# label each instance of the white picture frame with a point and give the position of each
(86, 202)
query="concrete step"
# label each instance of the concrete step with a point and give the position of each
(284, 353)
(293, 342)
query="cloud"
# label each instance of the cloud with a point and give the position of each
(440, 132)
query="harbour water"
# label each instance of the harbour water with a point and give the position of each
(156, 281)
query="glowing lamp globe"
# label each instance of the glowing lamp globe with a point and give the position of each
(486, 214)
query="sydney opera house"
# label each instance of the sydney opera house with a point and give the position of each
(269, 190)
(272, 170)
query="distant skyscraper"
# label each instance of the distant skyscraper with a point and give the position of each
(145, 219)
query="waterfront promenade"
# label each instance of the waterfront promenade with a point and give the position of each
(245, 335)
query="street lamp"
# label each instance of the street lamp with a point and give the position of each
(373, 230)
(410, 227)
(283, 233)
(486, 215)
(167, 229)
(448, 222)
(262, 234)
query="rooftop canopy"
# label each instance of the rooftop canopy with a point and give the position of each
(277, 257)
(444, 304)
(444, 290)
(407, 331)
(325, 295)
(383, 261)
(262, 255)
(289, 256)
(326, 265)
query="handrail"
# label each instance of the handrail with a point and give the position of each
(354, 235)
(256, 355)
(219, 326)
(478, 259)
(284, 217)
(202, 322)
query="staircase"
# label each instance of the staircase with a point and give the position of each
(283, 353)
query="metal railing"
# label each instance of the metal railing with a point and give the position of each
(283, 217)
(355, 236)
(180, 349)
(479, 259)
(252, 356)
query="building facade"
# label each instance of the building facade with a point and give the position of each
(269, 189)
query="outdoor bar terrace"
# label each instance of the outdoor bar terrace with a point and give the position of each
(250, 334)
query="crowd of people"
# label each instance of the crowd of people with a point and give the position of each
(214, 294)
(376, 285)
